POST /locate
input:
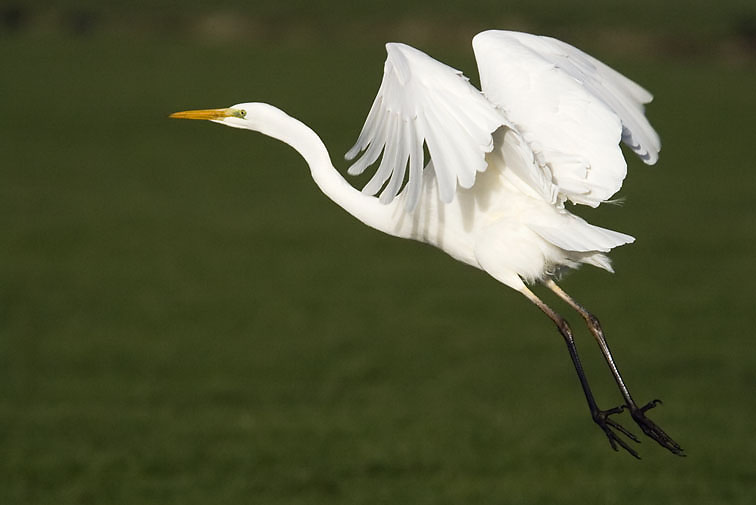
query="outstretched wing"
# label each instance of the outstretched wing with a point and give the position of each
(572, 110)
(422, 101)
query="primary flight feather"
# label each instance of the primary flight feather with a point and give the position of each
(501, 164)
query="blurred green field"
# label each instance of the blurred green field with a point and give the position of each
(184, 318)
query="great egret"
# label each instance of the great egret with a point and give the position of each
(545, 130)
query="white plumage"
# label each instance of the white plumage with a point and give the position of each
(571, 108)
(502, 163)
(424, 101)
(548, 124)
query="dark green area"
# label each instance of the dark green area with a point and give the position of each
(184, 318)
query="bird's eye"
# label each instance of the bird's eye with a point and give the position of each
(243, 113)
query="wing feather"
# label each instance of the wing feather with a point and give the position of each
(424, 102)
(400, 166)
(572, 110)
(415, 169)
(389, 158)
(377, 127)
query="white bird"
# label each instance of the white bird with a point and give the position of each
(502, 163)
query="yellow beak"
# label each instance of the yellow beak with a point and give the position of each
(209, 114)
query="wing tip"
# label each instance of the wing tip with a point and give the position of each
(352, 153)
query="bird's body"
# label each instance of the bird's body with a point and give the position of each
(500, 225)
(544, 131)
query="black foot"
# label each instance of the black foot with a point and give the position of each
(607, 424)
(652, 430)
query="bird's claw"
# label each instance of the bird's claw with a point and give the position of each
(609, 426)
(651, 429)
(650, 405)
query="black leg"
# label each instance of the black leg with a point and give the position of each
(638, 413)
(600, 417)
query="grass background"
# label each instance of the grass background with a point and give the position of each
(184, 318)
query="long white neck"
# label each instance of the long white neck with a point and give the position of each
(275, 123)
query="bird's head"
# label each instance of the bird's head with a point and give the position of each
(248, 115)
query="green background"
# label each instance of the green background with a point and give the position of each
(184, 318)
